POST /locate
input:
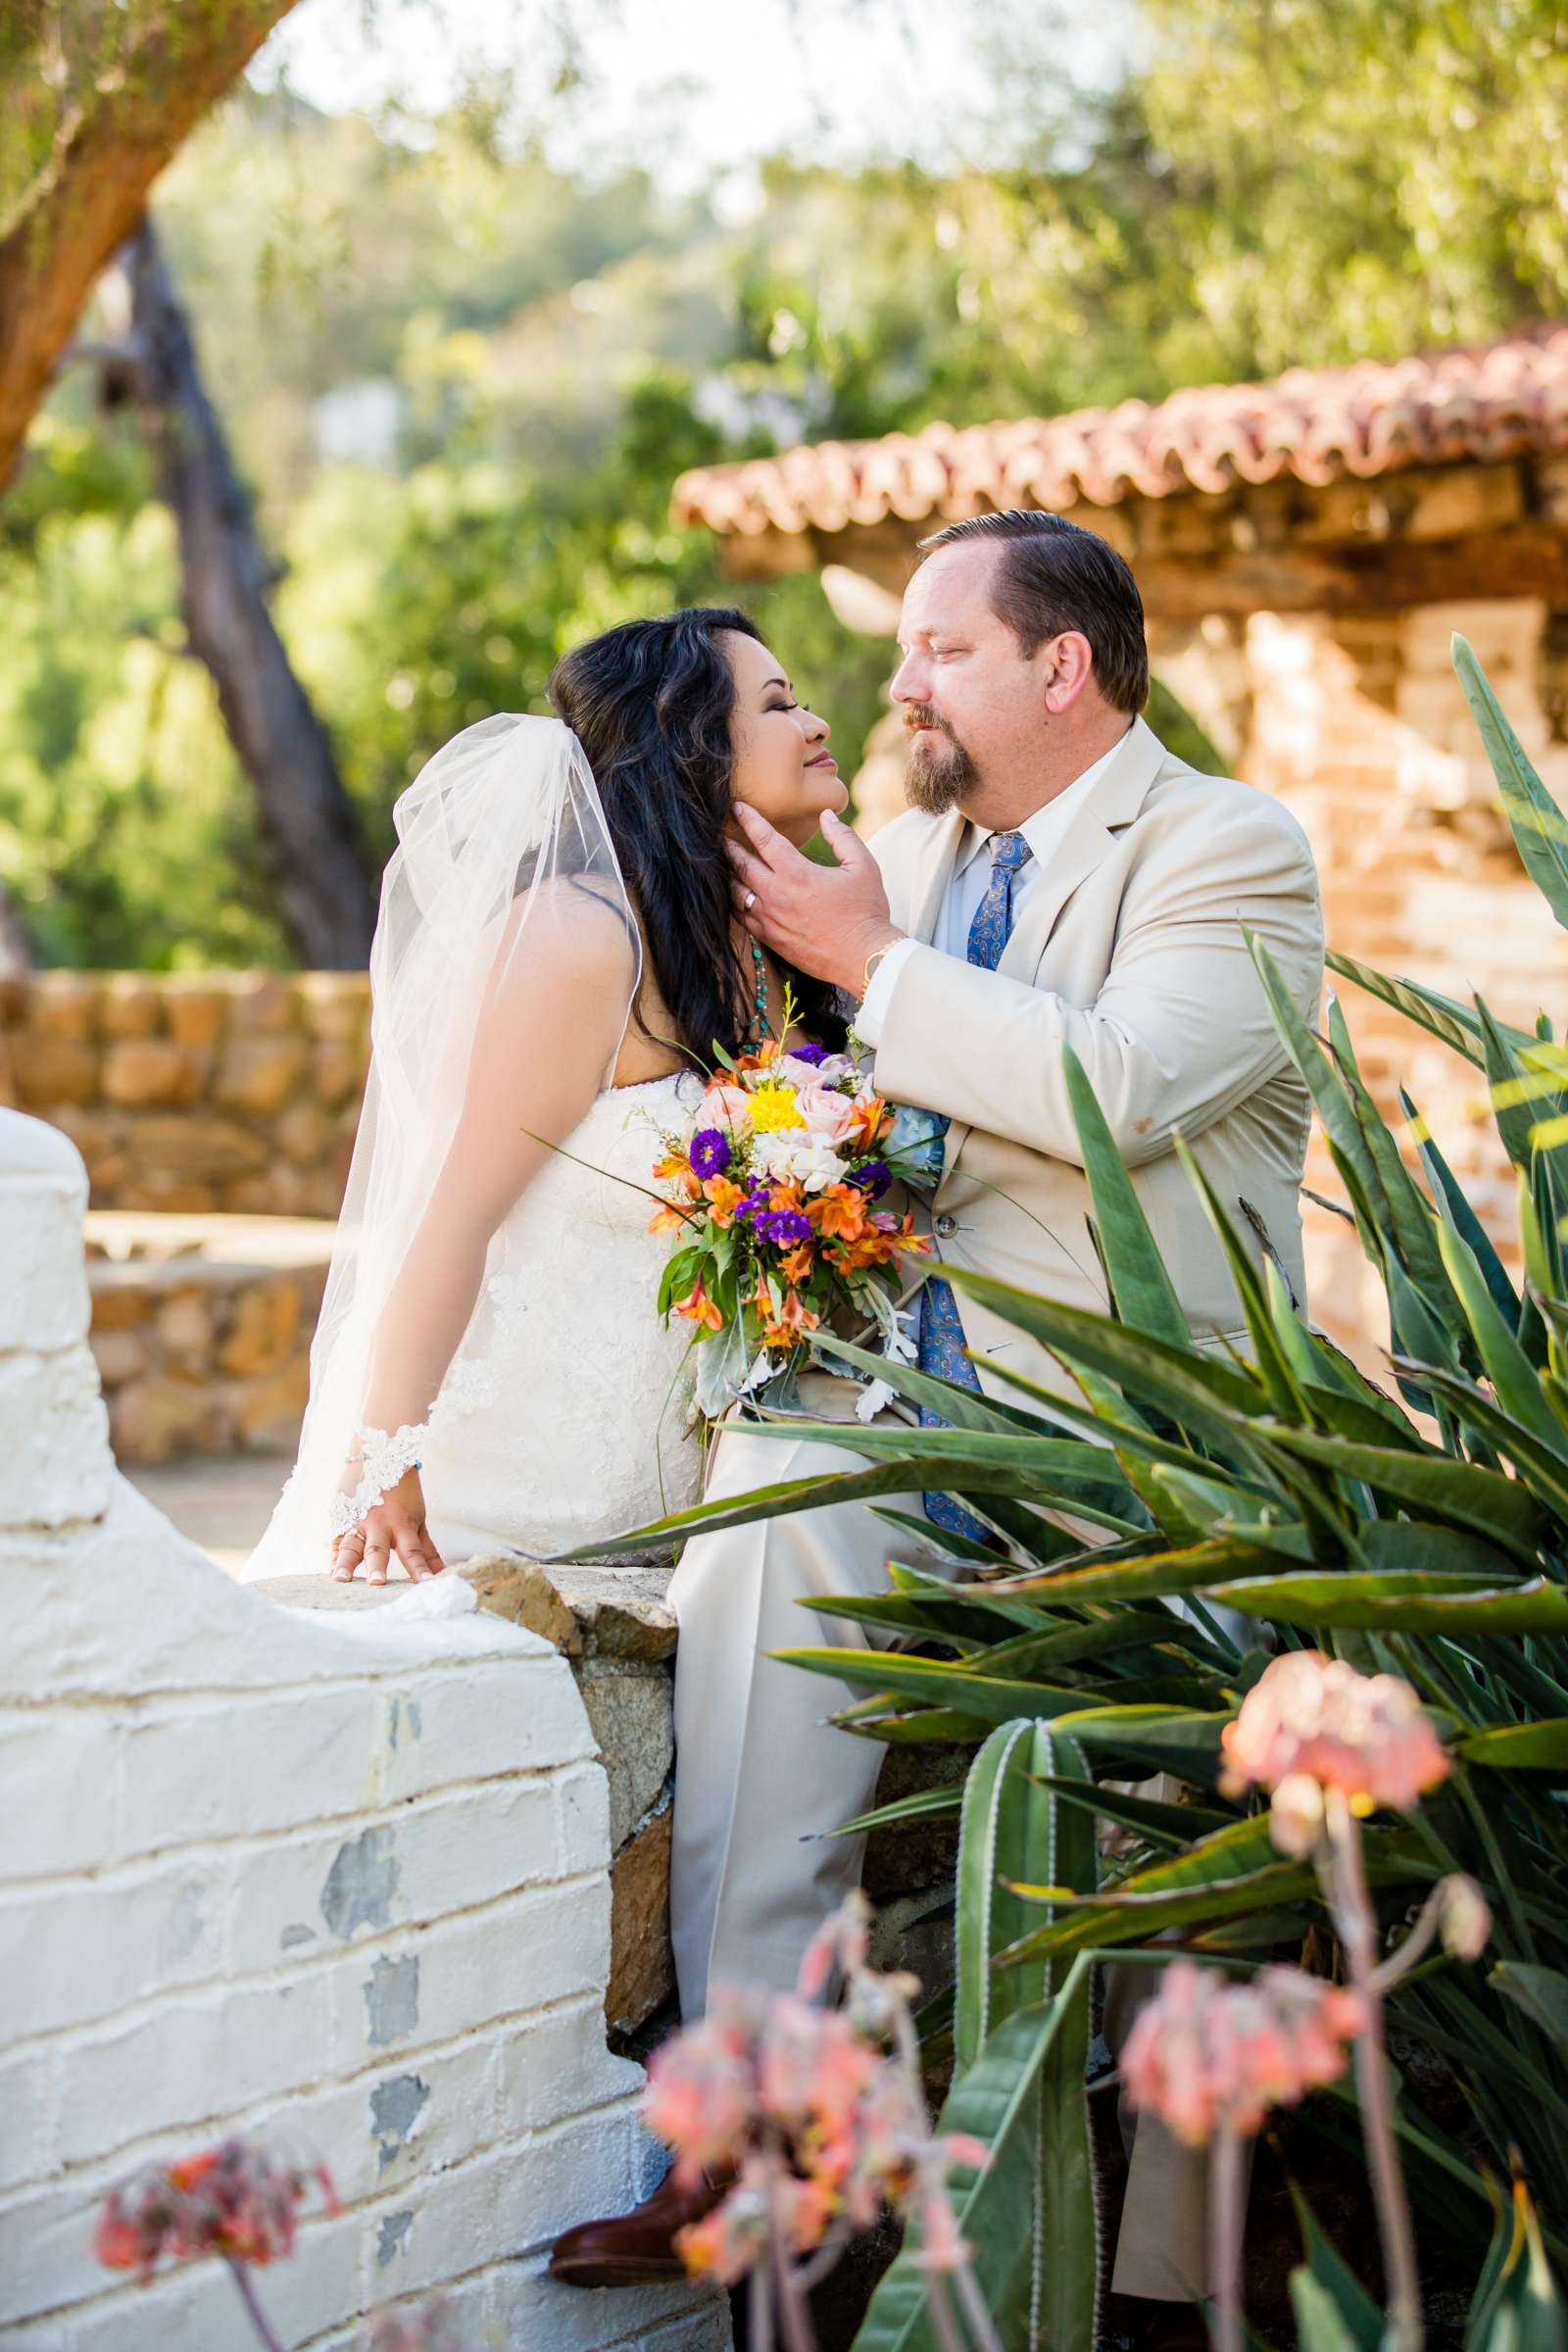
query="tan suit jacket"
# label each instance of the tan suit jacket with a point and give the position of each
(1128, 947)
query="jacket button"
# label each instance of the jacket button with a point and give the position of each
(947, 1227)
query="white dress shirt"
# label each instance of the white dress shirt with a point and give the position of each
(967, 885)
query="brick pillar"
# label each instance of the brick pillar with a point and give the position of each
(1360, 726)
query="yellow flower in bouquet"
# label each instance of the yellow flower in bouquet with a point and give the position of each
(773, 1106)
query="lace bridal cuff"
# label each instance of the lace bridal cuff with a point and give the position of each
(382, 1461)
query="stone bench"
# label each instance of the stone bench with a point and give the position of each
(201, 1329)
(614, 1625)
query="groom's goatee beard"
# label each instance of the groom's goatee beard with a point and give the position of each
(937, 780)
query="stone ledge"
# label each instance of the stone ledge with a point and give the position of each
(599, 1608)
(612, 1621)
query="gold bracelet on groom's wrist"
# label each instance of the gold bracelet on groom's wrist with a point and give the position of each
(872, 963)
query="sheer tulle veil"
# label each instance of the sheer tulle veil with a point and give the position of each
(502, 852)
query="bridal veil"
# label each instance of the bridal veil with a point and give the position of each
(503, 972)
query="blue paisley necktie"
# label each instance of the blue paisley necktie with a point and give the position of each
(942, 1340)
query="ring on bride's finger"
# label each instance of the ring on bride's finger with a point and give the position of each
(748, 901)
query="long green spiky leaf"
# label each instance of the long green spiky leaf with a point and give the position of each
(1401, 1604)
(1440, 1016)
(993, 1699)
(1541, 1992)
(1172, 1825)
(1324, 1084)
(1521, 1747)
(1145, 1295)
(1195, 1388)
(1460, 1493)
(1544, 1466)
(1024, 2098)
(962, 1406)
(1512, 1375)
(1356, 2310)
(1009, 1820)
(1154, 1576)
(1453, 1205)
(1536, 823)
(788, 1495)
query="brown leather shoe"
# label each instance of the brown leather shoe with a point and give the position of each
(636, 2248)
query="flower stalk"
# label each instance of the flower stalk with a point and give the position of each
(1333, 1746)
(1343, 1879)
(821, 2117)
(1227, 2228)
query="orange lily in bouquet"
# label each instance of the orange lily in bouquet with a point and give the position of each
(774, 1194)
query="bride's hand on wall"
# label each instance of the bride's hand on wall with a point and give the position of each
(396, 1525)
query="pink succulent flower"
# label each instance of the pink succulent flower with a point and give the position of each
(234, 2200)
(843, 1941)
(1466, 1917)
(727, 2243)
(1312, 1718)
(812, 2069)
(1207, 2054)
(700, 2088)
(822, 2124)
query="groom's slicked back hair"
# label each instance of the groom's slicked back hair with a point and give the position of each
(1051, 576)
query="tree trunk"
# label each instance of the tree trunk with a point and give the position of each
(307, 822)
(113, 139)
(16, 947)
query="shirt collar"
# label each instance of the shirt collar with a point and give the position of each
(1044, 828)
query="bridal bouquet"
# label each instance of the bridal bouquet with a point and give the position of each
(773, 1193)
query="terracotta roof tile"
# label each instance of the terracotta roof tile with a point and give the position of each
(1319, 425)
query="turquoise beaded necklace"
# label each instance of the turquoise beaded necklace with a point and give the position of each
(761, 969)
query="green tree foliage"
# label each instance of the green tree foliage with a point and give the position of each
(1305, 182)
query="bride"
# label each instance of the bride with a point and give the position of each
(556, 957)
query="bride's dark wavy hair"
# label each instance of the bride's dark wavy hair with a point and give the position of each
(651, 703)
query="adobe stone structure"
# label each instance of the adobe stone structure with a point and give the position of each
(340, 1882)
(1304, 548)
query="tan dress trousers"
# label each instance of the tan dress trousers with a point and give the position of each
(762, 1777)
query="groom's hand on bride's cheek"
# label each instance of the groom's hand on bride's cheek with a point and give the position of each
(825, 919)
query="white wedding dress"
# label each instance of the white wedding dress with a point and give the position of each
(573, 1424)
(533, 1383)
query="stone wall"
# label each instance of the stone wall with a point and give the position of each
(201, 1329)
(1362, 729)
(229, 1091)
(342, 1883)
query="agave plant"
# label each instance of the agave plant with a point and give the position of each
(1416, 1525)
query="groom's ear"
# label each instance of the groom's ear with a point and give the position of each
(1068, 666)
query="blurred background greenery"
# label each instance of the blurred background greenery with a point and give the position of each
(471, 288)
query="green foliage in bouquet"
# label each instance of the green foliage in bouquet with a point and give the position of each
(1415, 1526)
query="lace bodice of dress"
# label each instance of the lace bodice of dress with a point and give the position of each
(563, 1417)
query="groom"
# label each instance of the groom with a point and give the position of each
(1060, 879)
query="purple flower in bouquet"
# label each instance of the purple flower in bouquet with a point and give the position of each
(709, 1153)
(756, 1203)
(873, 1178)
(785, 1227)
(812, 1053)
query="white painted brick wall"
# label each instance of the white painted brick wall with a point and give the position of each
(344, 1885)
